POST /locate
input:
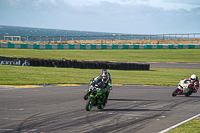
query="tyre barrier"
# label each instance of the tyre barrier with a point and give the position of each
(64, 63)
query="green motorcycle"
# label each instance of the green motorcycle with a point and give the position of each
(97, 95)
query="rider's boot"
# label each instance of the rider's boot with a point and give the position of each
(106, 96)
(180, 92)
(194, 91)
(104, 100)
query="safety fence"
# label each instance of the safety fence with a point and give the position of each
(73, 63)
(99, 46)
(101, 37)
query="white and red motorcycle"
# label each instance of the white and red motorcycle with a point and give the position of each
(184, 88)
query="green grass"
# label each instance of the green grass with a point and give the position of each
(139, 55)
(189, 127)
(17, 75)
(44, 75)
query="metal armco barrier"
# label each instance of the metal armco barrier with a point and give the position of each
(73, 63)
(99, 46)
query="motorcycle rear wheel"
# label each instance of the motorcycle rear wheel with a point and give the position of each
(88, 106)
(100, 106)
(188, 94)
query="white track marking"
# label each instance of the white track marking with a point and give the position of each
(172, 127)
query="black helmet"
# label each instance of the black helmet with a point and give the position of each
(104, 75)
(104, 70)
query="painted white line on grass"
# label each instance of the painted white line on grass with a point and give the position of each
(172, 127)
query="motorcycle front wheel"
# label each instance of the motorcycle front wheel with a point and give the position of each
(88, 106)
(175, 92)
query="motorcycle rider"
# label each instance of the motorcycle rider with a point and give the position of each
(104, 77)
(194, 83)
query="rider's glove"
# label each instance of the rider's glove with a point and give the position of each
(190, 86)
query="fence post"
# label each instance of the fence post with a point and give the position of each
(34, 39)
(27, 38)
(169, 37)
(132, 37)
(72, 38)
(175, 36)
(119, 37)
(108, 37)
(66, 38)
(163, 37)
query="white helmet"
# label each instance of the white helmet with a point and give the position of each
(193, 78)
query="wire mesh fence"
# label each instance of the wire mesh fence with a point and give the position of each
(101, 37)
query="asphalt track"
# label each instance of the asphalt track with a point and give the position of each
(61, 109)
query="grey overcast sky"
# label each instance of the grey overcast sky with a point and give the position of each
(116, 16)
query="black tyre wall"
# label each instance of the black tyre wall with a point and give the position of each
(80, 64)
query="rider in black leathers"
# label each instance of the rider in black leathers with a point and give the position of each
(104, 77)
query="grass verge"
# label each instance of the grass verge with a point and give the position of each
(21, 75)
(189, 127)
(129, 55)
